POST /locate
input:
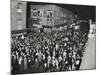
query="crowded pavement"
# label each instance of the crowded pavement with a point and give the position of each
(55, 51)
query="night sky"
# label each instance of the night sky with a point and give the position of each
(83, 11)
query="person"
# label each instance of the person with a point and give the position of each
(53, 64)
(49, 62)
(36, 65)
(64, 54)
(25, 63)
(69, 62)
(60, 62)
(78, 61)
(56, 64)
(20, 60)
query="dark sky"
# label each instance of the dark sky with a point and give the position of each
(84, 11)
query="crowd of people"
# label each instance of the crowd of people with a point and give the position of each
(37, 51)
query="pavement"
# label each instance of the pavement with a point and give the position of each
(89, 58)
